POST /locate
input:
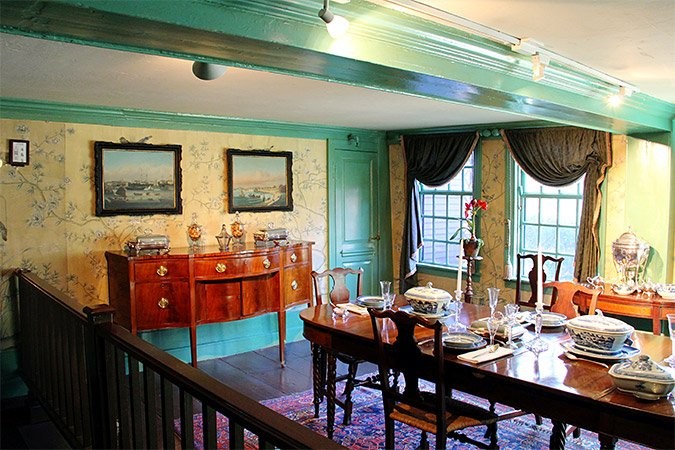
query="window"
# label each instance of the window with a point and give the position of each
(442, 209)
(548, 217)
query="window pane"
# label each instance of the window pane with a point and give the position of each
(567, 240)
(440, 233)
(440, 205)
(530, 238)
(547, 240)
(568, 212)
(531, 210)
(549, 211)
(530, 186)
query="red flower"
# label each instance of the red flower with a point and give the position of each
(470, 211)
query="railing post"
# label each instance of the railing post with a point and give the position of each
(96, 374)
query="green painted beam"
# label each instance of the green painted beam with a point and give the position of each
(385, 50)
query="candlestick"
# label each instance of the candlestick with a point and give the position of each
(540, 281)
(459, 266)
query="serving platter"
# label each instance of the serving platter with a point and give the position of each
(373, 301)
(626, 352)
(549, 319)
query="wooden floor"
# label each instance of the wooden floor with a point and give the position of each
(257, 374)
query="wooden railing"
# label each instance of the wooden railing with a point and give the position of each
(106, 388)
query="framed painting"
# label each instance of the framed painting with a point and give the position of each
(137, 179)
(259, 180)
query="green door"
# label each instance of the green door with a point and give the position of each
(359, 233)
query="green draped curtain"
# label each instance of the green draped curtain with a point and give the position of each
(432, 160)
(560, 156)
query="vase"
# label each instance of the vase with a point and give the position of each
(471, 247)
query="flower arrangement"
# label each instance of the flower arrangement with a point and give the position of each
(471, 209)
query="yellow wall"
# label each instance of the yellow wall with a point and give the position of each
(48, 207)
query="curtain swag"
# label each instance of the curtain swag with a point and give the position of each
(560, 156)
(432, 160)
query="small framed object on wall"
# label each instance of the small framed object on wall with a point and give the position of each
(259, 180)
(137, 179)
(19, 152)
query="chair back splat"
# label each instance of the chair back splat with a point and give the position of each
(551, 266)
(332, 285)
(568, 301)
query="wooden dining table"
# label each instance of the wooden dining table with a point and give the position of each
(569, 392)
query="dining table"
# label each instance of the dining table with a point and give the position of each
(569, 392)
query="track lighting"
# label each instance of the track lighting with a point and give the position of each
(207, 71)
(336, 25)
(539, 64)
(617, 99)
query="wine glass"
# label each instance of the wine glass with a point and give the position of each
(511, 310)
(493, 323)
(493, 298)
(385, 290)
(457, 308)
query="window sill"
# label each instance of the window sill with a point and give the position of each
(444, 271)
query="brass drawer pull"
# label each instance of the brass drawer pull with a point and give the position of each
(163, 303)
(294, 285)
(221, 267)
(162, 271)
(267, 263)
(294, 257)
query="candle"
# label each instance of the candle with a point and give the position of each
(540, 281)
(459, 266)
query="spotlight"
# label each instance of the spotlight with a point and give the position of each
(207, 71)
(617, 99)
(336, 25)
(539, 64)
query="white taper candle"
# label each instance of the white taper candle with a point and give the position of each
(540, 281)
(459, 265)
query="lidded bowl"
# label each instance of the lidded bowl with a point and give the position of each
(643, 378)
(428, 299)
(597, 333)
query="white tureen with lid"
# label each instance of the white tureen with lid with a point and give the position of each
(428, 299)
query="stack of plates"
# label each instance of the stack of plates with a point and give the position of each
(548, 319)
(463, 341)
(409, 310)
(626, 352)
(370, 301)
(480, 327)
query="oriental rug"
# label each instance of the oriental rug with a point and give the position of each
(366, 432)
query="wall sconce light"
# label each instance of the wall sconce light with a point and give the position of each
(336, 25)
(539, 63)
(207, 71)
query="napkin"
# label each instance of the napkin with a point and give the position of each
(356, 309)
(483, 355)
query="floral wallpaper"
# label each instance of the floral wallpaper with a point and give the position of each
(47, 208)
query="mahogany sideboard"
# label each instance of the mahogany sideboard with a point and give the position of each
(189, 287)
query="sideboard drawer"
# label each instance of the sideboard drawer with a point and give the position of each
(158, 270)
(162, 305)
(297, 285)
(297, 255)
(221, 268)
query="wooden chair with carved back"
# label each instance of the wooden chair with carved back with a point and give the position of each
(426, 406)
(568, 302)
(551, 266)
(333, 287)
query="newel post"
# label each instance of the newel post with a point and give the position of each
(96, 374)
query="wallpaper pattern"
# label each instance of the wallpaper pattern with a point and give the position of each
(47, 207)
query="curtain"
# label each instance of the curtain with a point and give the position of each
(432, 160)
(560, 156)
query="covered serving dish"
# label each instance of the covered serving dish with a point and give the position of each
(630, 257)
(428, 299)
(598, 333)
(643, 378)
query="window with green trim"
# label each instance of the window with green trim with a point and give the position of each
(546, 217)
(442, 209)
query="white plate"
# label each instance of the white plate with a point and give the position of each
(477, 327)
(373, 301)
(626, 352)
(409, 310)
(463, 341)
(549, 319)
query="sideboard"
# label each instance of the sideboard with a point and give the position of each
(193, 286)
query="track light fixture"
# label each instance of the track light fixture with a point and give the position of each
(207, 71)
(617, 99)
(539, 64)
(336, 25)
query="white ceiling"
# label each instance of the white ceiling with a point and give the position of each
(630, 40)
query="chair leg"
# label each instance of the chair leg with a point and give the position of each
(576, 433)
(494, 439)
(319, 376)
(538, 420)
(424, 442)
(388, 433)
(349, 388)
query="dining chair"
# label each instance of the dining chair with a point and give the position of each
(567, 300)
(332, 286)
(426, 406)
(550, 265)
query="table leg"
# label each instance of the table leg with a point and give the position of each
(558, 435)
(607, 442)
(331, 367)
(318, 376)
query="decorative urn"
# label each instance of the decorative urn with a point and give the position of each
(630, 257)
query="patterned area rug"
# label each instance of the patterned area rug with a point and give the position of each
(367, 429)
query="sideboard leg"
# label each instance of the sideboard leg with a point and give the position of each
(607, 442)
(193, 345)
(281, 319)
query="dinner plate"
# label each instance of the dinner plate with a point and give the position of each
(409, 310)
(463, 341)
(626, 352)
(549, 319)
(480, 326)
(373, 301)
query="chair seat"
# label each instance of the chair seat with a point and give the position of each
(458, 415)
